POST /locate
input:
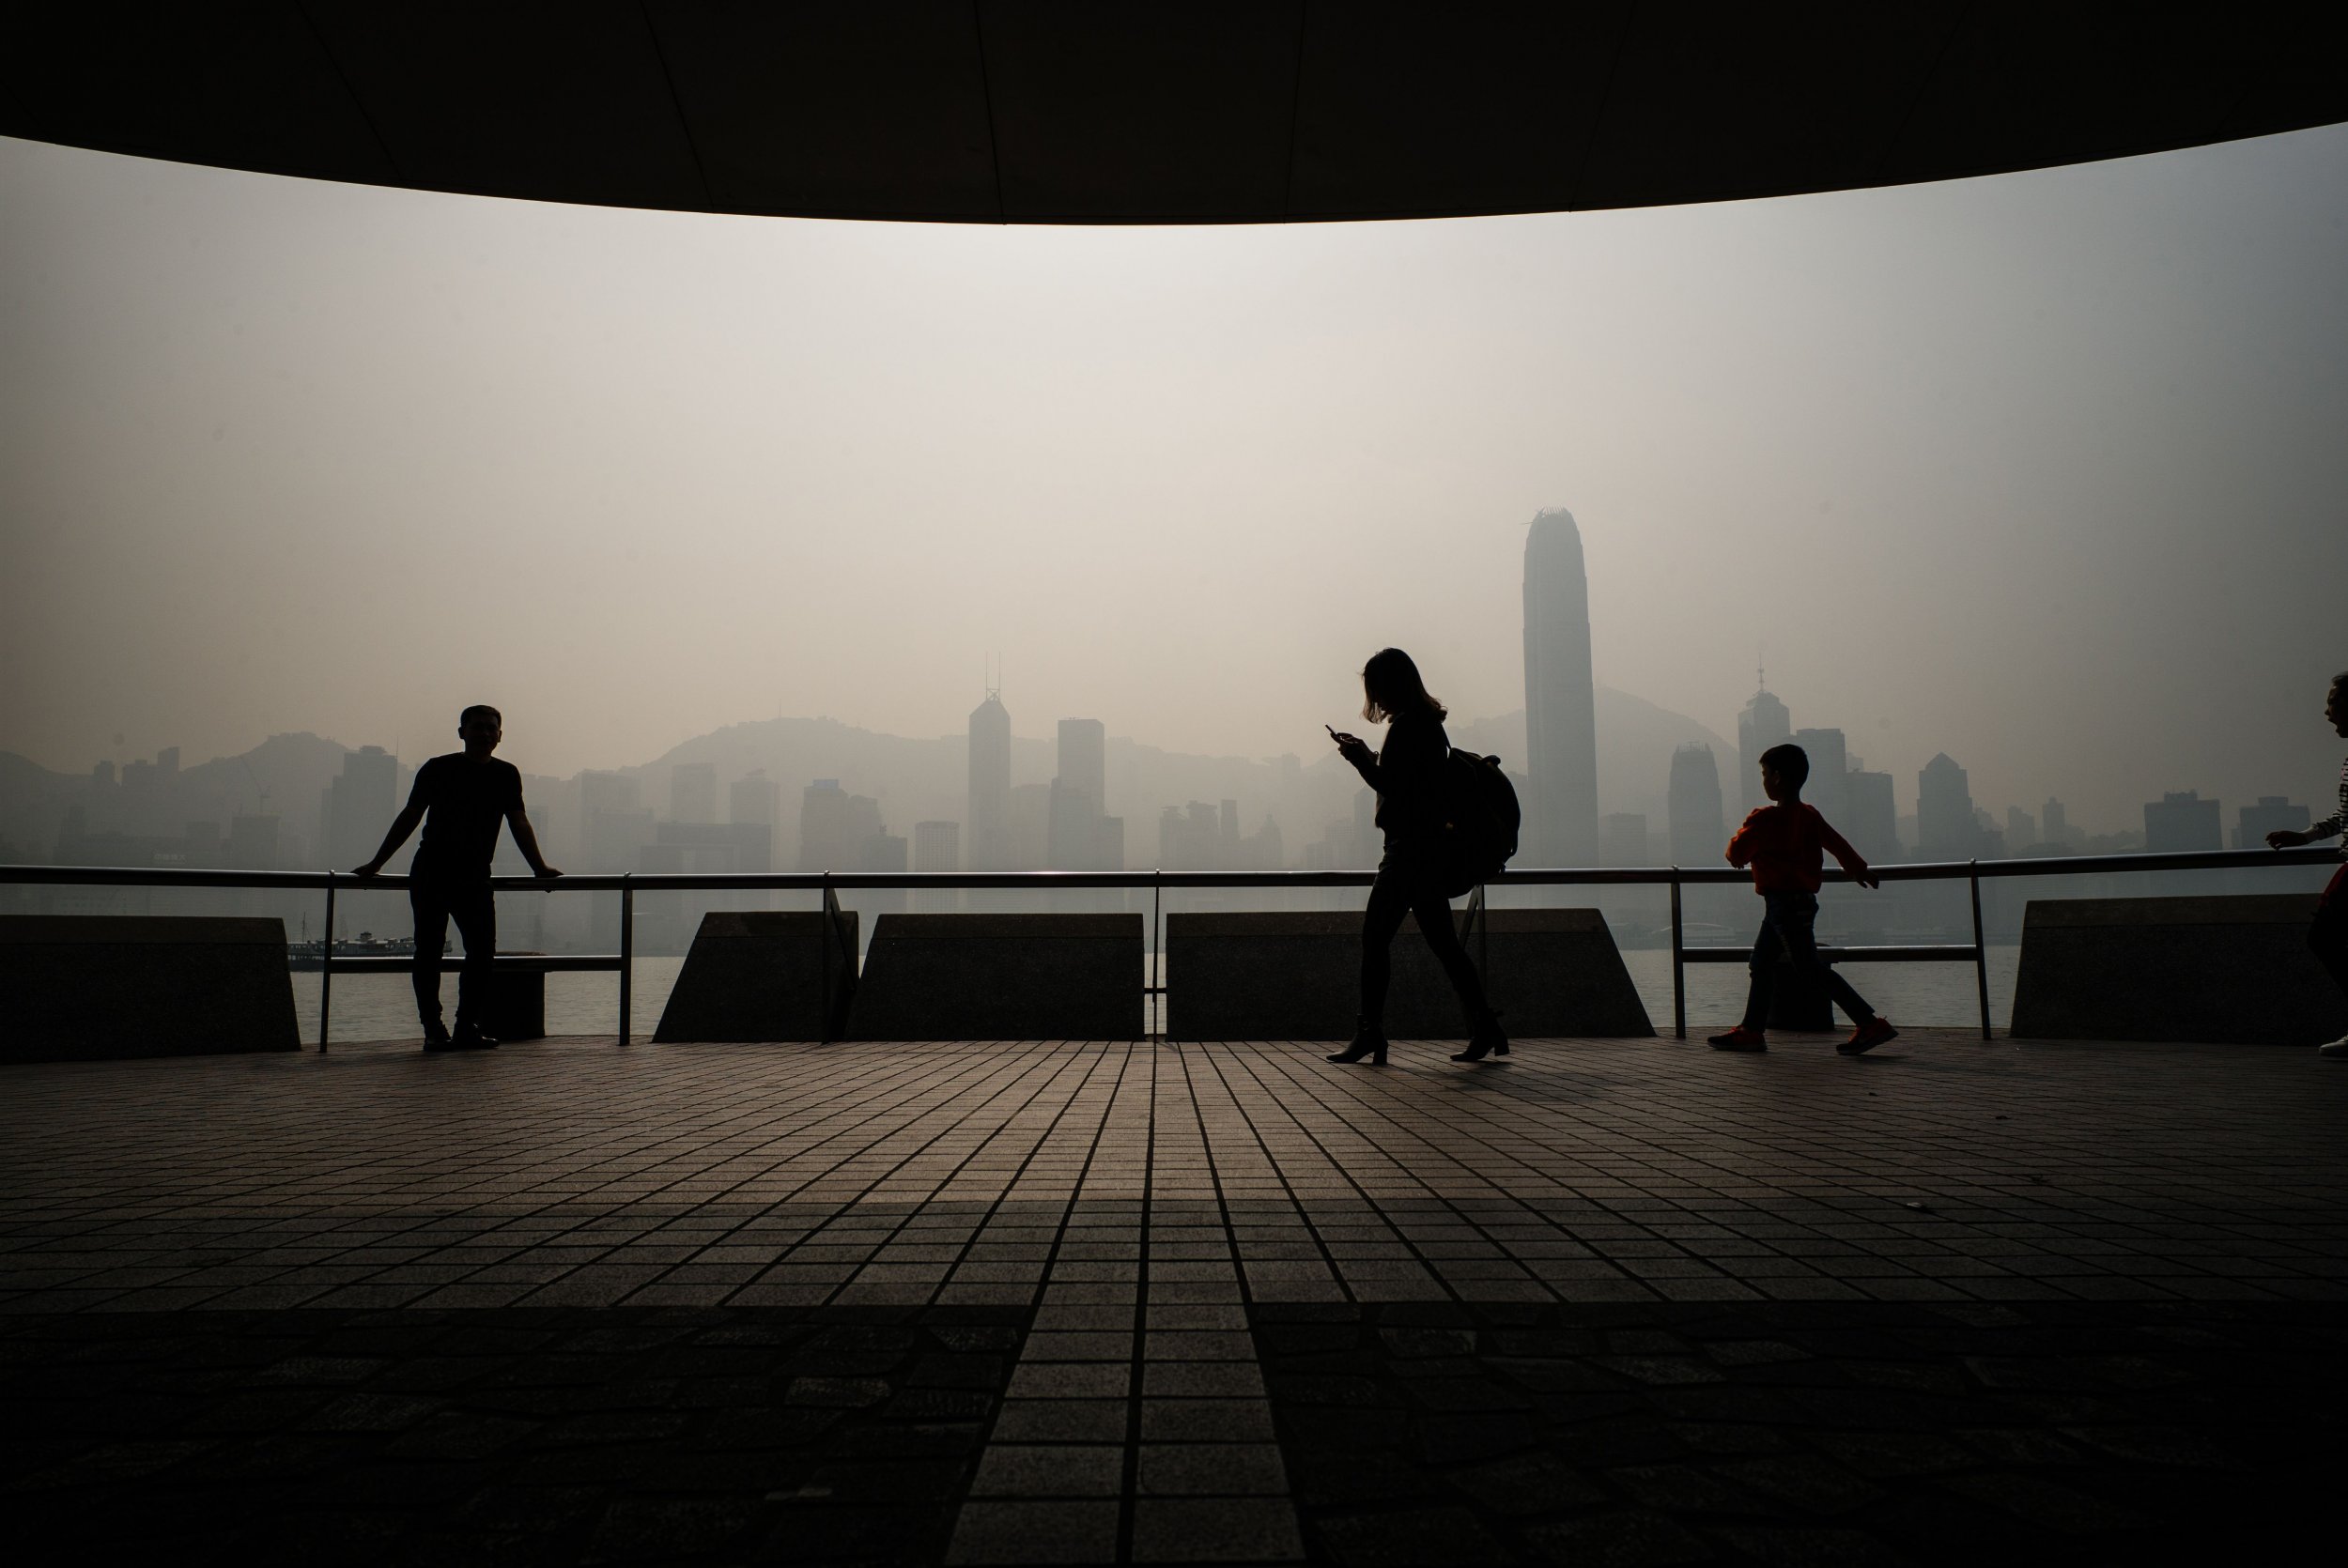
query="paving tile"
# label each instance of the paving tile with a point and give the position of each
(1211, 1470)
(1216, 1529)
(1037, 1471)
(989, 1532)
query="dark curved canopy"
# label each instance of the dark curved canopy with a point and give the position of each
(1181, 110)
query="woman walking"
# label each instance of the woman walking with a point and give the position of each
(1418, 867)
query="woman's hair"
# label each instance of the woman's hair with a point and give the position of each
(1391, 688)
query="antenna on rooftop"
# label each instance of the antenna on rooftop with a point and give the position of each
(995, 686)
(1760, 668)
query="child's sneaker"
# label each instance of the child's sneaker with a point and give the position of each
(2334, 1048)
(1867, 1037)
(1740, 1038)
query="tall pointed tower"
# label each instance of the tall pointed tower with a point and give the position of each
(1764, 723)
(990, 785)
(1560, 715)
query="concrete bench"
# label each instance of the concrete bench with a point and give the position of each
(97, 986)
(763, 975)
(1297, 975)
(1000, 977)
(517, 984)
(2229, 969)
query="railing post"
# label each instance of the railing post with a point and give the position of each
(627, 953)
(1679, 967)
(1157, 948)
(828, 925)
(1980, 945)
(326, 966)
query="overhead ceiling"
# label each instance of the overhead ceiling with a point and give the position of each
(1118, 112)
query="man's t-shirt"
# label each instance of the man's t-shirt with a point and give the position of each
(464, 803)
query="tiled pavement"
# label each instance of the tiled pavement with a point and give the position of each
(1154, 1229)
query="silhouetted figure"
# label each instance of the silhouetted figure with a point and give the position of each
(1785, 843)
(2327, 936)
(1408, 772)
(460, 798)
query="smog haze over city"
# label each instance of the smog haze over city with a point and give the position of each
(2041, 472)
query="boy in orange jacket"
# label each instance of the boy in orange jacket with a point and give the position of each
(1785, 842)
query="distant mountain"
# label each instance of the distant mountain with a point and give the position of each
(913, 778)
(283, 776)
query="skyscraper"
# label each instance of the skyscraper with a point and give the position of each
(2021, 830)
(836, 829)
(990, 848)
(1084, 758)
(1874, 825)
(2254, 823)
(1828, 786)
(693, 792)
(1560, 714)
(2055, 822)
(360, 804)
(1622, 840)
(1764, 723)
(937, 846)
(1697, 837)
(755, 798)
(2181, 819)
(1945, 826)
(1026, 828)
(614, 826)
(1074, 831)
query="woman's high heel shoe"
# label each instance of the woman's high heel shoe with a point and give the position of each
(1367, 1042)
(1487, 1041)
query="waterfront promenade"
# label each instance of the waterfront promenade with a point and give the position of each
(1613, 1301)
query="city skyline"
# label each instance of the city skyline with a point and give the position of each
(1055, 823)
(2036, 470)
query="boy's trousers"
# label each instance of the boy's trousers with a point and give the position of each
(1789, 927)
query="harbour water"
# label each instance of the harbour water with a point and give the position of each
(381, 1008)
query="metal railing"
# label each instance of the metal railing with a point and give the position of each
(830, 885)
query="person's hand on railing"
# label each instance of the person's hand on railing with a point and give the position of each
(371, 868)
(1868, 879)
(2287, 838)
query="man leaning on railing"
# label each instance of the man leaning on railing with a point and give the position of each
(2328, 935)
(460, 798)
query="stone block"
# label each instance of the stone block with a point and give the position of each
(2227, 969)
(1296, 975)
(1001, 976)
(518, 999)
(764, 975)
(98, 987)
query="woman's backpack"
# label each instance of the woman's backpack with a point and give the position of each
(1481, 819)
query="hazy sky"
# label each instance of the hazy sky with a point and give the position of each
(2045, 471)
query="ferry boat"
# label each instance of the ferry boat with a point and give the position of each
(311, 954)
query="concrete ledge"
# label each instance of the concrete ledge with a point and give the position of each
(1297, 975)
(1001, 976)
(761, 975)
(2228, 970)
(90, 988)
